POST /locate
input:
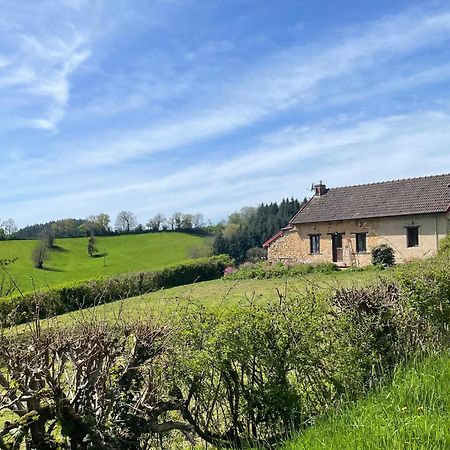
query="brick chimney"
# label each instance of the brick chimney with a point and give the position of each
(320, 189)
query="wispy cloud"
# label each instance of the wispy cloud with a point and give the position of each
(37, 69)
(297, 77)
(136, 129)
(285, 163)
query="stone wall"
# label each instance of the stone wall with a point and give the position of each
(294, 246)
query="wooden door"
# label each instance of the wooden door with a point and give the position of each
(336, 240)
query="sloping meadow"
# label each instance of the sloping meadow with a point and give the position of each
(233, 377)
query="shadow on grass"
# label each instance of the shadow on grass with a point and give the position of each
(58, 249)
(52, 269)
(99, 255)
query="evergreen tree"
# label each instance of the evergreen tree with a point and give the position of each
(253, 226)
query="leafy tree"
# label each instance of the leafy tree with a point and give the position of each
(9, 226)
(157, 222)
(186, 222)
(126, 222)
(176, 220)
(251, 227)
(92, 245)
(61, 228)
(98, 225)
(197, 220)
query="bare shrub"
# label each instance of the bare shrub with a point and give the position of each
(40, 255)
(101, 384)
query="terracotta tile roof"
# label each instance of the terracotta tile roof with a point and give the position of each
(425, 195)
(276, 236)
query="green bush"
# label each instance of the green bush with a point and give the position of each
(254, 373)
(265, 270)
(426, 285)
(383, 255)
(20, 309)
(444, 246)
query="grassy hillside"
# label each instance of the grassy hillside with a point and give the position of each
(69, 261)
(222, 292)
(412, 412)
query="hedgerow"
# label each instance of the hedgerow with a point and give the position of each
(19, 309)
(266, 270)
(235, 377)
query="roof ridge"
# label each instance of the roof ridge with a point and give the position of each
(389, 181)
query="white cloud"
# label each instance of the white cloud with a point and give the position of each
(69, 177)
(285, 164)
(295, 77)
(36, 70)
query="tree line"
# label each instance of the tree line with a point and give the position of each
(101, 225)
(243, 234)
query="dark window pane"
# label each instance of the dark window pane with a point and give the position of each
(412, 234)
(314, 244)
(361, 245)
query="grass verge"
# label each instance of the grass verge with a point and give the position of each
(412, 412)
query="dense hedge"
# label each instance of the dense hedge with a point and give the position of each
(265, 270)
(21, 309)
(269, 368)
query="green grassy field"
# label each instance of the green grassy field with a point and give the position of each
(220, 293)
(411, 412)
(69, 261)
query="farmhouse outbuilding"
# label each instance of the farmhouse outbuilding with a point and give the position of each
(343, 224)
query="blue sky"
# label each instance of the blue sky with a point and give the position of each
(207, 106)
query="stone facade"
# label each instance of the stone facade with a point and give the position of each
(294, 245)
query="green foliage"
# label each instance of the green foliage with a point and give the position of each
(427, 286)
(383, 255)
(92, 245)
(410, 412)
(266, 270)
(269, 369)
(40, 255)
(251, 227)
(20, 309)
(266, 369)
(444, 246)
(249, 375)
(386, 328)
(60, 228)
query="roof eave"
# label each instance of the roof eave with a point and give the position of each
(372, 217)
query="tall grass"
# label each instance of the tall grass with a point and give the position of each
(411, 412)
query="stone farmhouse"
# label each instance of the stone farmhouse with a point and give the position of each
(343, 224)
